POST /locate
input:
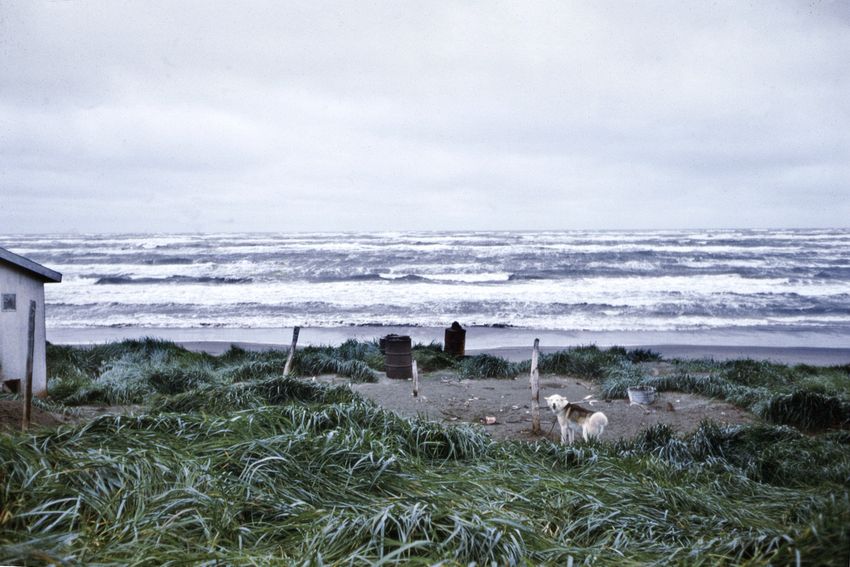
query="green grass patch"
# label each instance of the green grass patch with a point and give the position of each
(290, 471)
(233, 463)
(807, 397)
(488, 366)
(352, 359)
(131, 372)
(431, 357)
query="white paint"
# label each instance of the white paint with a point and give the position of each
(14, 326)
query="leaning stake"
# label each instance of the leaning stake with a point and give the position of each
(28, 382)
(288, 365)
(535, 390)
(415, 380)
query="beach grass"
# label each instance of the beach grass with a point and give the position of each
(230, 462)
(801, 396)
(808, 397)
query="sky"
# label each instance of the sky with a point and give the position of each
(178, 116)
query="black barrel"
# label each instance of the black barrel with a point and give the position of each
(398, 357)
(455, 343)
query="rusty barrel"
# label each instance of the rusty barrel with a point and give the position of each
(398, 357)
(455, 340)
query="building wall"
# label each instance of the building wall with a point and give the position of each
(14, 326)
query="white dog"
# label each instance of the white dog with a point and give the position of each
(574, 418)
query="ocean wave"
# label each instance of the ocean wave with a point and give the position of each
(838, 272)
(125, 280)
(167, 261)
(406, 278)
(531, 321)
(346, 278)
(445, 278)
(368, 278)
(554, 279)
(683, 313)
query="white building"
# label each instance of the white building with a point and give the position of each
(22, 281)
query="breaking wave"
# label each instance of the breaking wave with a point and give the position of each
(124, 280)
(574, 280)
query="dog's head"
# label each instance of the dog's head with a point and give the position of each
(556, 402)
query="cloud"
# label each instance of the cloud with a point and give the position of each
(322, 116)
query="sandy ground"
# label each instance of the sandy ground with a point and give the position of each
(443, 397)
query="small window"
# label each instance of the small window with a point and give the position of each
(10, 302)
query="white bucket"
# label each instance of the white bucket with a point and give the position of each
(643, 395)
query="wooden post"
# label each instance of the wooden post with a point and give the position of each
(415, 381)
(28, 381)
(288, 365)
(535, 389)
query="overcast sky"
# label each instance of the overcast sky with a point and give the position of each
(242, 116)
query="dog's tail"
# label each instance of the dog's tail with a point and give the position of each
(596, 424)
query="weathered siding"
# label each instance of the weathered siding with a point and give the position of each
(14, 326)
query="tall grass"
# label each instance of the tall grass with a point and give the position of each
(431, 357)
(489, 366)
(131, 372)
(776, 393)
(588, 362)
(325, 474)
(351, 359)
(234, 463)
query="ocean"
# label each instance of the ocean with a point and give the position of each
(793, 281)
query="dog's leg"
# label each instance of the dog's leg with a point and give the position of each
(564, 428)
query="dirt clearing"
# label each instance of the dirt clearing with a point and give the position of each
(444, 397)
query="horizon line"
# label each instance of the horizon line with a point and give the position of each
(414, 231)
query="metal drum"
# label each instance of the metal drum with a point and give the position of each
(455, 343)
(398, 357)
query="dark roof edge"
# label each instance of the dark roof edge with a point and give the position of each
(28, 265)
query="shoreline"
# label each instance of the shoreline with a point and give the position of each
(784, 347)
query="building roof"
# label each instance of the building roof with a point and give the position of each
(36, 270)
